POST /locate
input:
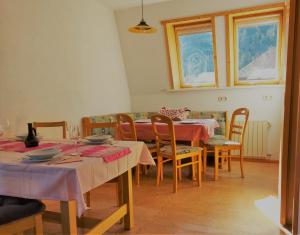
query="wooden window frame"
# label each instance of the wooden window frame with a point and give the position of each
(259, 15)
(173, 49)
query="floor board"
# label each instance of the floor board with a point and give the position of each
(227, 206)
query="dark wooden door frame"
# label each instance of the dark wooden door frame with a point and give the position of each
(290, 162)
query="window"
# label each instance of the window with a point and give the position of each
(250, 42)
(257, 49)
(192, 53)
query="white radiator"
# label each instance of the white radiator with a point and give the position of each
(256, 139)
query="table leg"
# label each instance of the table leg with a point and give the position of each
(68, 217)
(194, 144)
(128, 199)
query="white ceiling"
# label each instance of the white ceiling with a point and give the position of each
(122, 4)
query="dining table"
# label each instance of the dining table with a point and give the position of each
(193, 130)
(68, 182)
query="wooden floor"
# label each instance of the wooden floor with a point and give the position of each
(227, 206)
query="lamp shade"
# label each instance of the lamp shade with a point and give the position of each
(142, 27)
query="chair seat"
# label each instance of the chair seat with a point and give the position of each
(180, 149)
(221, 142)
(14, 208)
(150, 145)
(218, 137)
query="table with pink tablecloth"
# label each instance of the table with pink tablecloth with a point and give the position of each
(65, 182)
(200, 130)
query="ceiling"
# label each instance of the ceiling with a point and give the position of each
(122, 4)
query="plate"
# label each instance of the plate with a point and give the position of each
(142, 120)
(107, 141)
(36, 160)
(46, 153)
(98, 138)
(23, 137)
(190, 121)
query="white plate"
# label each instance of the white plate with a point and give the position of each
(36, 160)
(190, 121)
(98, 138)
(142, 120)
(42, 153)
(23, 137)
(107, 141)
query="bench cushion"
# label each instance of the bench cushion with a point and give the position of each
(14, 208)
(220, 116)
(180, 149)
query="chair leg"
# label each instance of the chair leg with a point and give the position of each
(159, 170)
(179, 171)
(137, 174)
(229, 161)
(194, 168)
(175, 176)
(241, 163)
(222, 162)
(145, 169)
(216, 163)
(88, 198)
(38, 225)
(199, 168)
(204, 161)
(162, 170)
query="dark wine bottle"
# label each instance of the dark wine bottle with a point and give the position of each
(31, 139)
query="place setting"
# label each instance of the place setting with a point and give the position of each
(98, 140)
(41, 155)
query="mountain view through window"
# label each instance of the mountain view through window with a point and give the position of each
(257, 51)
(197, 58)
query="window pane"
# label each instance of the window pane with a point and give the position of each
(197, 58)
(257, 52)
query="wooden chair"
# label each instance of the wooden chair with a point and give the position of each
(129, 134)
(87, 129)
(18, 215)
(62, 124)
(167, 150)
(223, 147)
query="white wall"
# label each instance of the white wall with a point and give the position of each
(59, 60)
(147, 69)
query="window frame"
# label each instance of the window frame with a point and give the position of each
(232, 48)
(171, 49)
(174, 55)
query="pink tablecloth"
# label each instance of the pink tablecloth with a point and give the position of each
(107, 152)
(65, 182)
(200, 131)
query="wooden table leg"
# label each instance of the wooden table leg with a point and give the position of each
(68, 217)
(128, 199)
(216, 163)
(194, 168)
(38, 225)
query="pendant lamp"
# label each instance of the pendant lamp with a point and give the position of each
(142, 27)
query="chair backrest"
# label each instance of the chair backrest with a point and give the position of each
(126, 127)
(62, 124)
(241, 116)
(88, 126)
(164, 134)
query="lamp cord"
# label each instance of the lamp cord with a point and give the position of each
(142, 10)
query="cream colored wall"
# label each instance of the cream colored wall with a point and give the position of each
(59, 60)
(147, 70)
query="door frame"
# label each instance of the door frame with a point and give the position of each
(289, 214)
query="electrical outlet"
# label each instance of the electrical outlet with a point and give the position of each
(222, 98)
(267, 97)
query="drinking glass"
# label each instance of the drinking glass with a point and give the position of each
(1, 131)
(75, 136)
(5, 127)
